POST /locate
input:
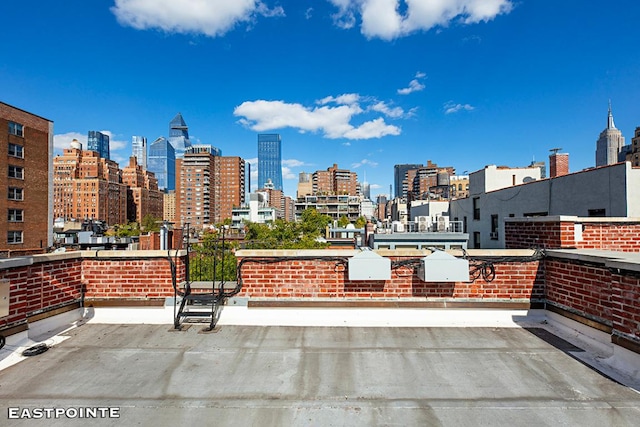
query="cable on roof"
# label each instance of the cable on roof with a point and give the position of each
(35, 350)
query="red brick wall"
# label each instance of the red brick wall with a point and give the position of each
(129, 278)
(603, 235)
(581, 288)
(595, 292)
(614, 236)
(625, 305)
(41, 286)
(297, 278)
(545, 235)
(48, 283)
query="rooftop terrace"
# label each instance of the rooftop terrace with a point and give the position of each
(546, 341)
(345, 367)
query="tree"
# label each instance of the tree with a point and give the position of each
(151, 223)
(361, 222)
(343, 221)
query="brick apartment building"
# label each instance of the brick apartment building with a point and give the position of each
(208, 187)
(87, 186)
(26, 185)
(143, 196)
(334, 181)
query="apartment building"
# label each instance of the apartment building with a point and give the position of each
(87, 186)
(143, 196)
(208, 187)
(27, 149)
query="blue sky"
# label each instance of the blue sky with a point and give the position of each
(365, 84)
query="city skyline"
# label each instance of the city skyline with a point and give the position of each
(499, 82)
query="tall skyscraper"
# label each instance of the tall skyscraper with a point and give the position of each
(399, 173)
(139, 150)
(98, 142)
(179, 135)
(269, 160)
(609, 144)
(162, 162)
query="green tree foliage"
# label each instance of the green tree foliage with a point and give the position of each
(124, 230)
(150, 223)
(213, 259)
(343, 221)
(281, 234)
(361, 222)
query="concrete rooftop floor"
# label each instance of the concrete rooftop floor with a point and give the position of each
(345, 368)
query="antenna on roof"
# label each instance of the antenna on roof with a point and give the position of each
(555, 150)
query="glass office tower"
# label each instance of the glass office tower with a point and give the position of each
(179, 135)
(162, 162)
(139, 150)
(98, 142)
(269, 160)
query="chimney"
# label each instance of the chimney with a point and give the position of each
(558, 163)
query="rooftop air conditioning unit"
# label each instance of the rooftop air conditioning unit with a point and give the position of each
(493, 235)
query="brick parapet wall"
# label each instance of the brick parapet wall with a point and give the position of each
(294, 277)
(559, 232)
(599, 286)
(43, 283)
(40, 283)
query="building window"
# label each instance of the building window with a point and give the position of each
(16, 172)
(15, 215)
(476, 240)
(14, 237)
(494, 227)
(16, 150)
(476, 208)
(597, 212)
(16, 129)
(16, 193)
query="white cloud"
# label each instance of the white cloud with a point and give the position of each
(393, 112)
(346, 144)
(344, 99)
(114, 143)
(62, 141)
(390, 19)
(364, 162)
(375, 186)
(415, 85)
(293, 163)
(451, 107)
(332, 121)
(211, 17)
(288, 174)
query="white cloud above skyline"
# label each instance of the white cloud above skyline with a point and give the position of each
(415, 85)
(451, 107)
(384, 19)
(211, 18)
(391, 19)
(332, 121)
(364, 162)
(62, 141)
